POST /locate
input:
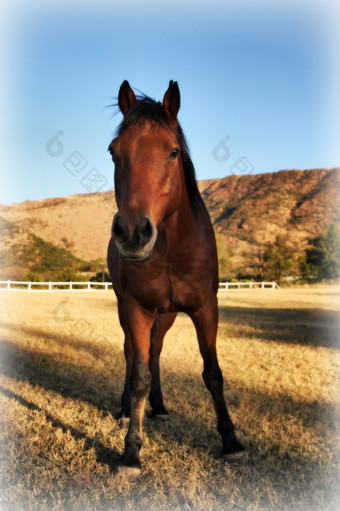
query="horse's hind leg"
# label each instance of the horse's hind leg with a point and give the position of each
(206, 326)
(161, 325)
(124, 415)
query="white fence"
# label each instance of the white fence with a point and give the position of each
(11, 285)
(226, 286)
(53, 286)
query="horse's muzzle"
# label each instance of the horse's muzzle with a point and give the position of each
(135, 239)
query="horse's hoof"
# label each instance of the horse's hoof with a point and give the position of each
(123, 422)
(235, 459)
(128, 467)
(127, 472)
(160, 417)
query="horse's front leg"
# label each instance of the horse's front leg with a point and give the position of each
(205, 321)
(137, 326)
(124, 415)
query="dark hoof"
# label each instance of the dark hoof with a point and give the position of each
(160, 416)
(235, 459)
(233, 451)
(123, 421)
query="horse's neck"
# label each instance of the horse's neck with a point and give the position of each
(184, 226)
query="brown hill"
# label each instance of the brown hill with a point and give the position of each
(247, 212)
(79, 223)
(251, 211)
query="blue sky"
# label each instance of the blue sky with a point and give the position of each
(258, 84)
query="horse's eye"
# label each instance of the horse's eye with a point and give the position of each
(174, 153)
(112, 152)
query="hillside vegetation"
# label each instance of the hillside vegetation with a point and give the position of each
(28, 256)
(251, 212)
(55, 239)
(251, 215)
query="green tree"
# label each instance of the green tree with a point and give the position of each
(322, 260)
(277, 260)
(101, 276)
(257, 263)
(224, 262)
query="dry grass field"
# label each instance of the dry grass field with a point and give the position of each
(62, 371)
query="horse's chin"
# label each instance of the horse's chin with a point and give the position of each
(128, 258)
(131, 256)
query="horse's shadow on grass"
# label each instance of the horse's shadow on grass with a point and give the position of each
(96, 346)
(51, 372)
(104, 455)
(314, 327)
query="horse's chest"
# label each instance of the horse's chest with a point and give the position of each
(164, 292)
(152, 291)
(186, 295)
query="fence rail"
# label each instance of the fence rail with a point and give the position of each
(11, 285)
(226, 286)
(53, 286)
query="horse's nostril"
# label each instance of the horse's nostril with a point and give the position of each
(134, 235)
(144, 230)
(120, 230)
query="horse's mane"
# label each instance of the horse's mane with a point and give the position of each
(147, 109)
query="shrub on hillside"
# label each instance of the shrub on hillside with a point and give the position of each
(322, 259)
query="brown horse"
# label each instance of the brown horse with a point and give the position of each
(162, 259)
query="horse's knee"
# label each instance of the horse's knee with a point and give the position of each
(140, 380)
(213, 379)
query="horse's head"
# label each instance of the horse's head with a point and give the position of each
(148, 170)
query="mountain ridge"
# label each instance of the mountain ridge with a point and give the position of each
(248, 212)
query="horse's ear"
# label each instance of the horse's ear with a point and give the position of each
(126, 98)
(172, 100)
